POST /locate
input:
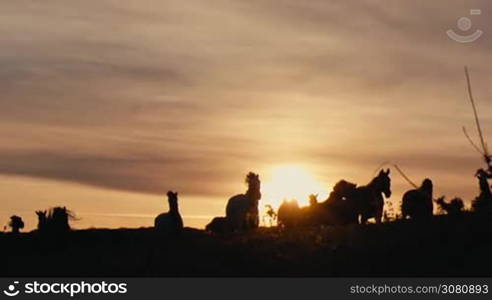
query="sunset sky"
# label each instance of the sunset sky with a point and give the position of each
(106, 105)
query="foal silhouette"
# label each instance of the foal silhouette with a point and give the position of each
(289, 214)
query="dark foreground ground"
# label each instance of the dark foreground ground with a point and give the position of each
(444, 247)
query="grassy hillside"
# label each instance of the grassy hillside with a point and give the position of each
(443, 247)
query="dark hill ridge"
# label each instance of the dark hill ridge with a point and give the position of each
(444, 246)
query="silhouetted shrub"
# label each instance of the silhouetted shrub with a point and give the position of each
(417, 203)
(219, 225)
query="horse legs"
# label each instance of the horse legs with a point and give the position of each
(378, 218)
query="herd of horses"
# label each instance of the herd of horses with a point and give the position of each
(346, 204)
(53, 221)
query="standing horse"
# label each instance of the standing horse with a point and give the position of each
(242, 209)
(368, 199)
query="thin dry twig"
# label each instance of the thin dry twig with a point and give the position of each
(405, 176)
(399, 171)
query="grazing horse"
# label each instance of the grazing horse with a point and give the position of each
(453, 208)
(417, 203)
(289, 214)
(170, 222)
(242, 209)
(368, 199)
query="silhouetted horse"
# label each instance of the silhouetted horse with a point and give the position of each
(484, 199)
(368, 199)
(219, 225)
(242, 209)
(16, 224)
(170, 222)
(54, 220)
(417, 203)
(340, 208)
(289, 214)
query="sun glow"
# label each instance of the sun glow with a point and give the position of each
(291, 182)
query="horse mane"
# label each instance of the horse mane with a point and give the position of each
(58, 212)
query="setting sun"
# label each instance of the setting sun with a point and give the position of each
(291, 182)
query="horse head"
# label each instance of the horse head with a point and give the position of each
(427, 186)
(383, 182)
(313, 199)
(42, 219)
(254, 186)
